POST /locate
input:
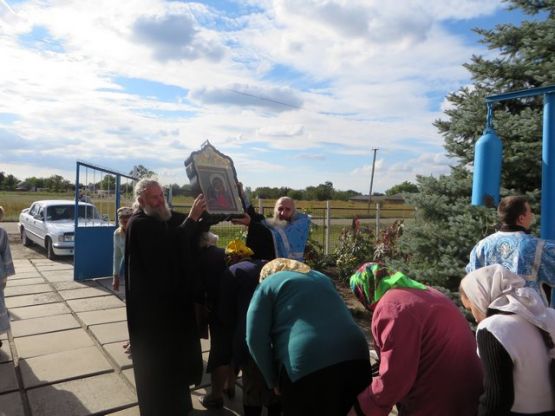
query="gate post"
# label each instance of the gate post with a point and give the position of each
(327, 229)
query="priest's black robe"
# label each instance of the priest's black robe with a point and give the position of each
(159, 274)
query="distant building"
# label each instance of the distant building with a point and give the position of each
(380, 199)
(22, 186)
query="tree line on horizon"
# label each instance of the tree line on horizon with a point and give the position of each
(322, 192)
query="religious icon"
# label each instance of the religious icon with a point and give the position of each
(213, 174)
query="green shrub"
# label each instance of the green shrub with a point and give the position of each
(354, 248)
(314, 256)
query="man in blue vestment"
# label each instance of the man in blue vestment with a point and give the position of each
(285, 235)
(516, 249)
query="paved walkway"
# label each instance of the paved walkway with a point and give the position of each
(63, 355)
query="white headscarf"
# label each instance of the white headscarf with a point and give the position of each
(498, 288)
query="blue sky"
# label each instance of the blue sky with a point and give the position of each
(296, 92)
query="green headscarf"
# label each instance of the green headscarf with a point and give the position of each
(372, 280)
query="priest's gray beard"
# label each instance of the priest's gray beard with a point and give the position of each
(160, 213)
(276, 222)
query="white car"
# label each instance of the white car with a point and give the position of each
(51, 224)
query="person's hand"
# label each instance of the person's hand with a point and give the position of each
(244, 220)
(199, 206)
(115, 282)
(278, 393)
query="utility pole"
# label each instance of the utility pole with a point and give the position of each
(372, 177)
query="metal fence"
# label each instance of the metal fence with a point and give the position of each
(327, 223)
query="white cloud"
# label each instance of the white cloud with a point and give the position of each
(174, 36)
(304, 76)
(281, 130)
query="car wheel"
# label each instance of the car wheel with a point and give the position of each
(50, 250)
(24, 239)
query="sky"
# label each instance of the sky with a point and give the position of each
(296, 92)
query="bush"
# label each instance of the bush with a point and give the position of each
(354, 248)
(314, 256)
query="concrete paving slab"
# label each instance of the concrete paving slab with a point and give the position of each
(72, 285)
(97, 394)
(24, 274)
(54, 267)
(41, 260)
(94, 304)
(28, 300)
(103, 316)
(27, 290)
(28, 312)
(112, 332)
(21, 262)
(5, 352)
(88, 292)
(44, 325)
(61, 366)
(35, 345)
(11, 405)
(44, 260)
(132, 411)
(61, 276)
(23, 265)
(129, 375)
(117, 353)
(8, 380)
(24, 282)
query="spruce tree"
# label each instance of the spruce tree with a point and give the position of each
(436, 247)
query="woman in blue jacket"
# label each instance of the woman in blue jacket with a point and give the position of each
(305, 341)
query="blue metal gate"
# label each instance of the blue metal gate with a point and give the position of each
(94, 229)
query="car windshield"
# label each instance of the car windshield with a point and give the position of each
(65, 212)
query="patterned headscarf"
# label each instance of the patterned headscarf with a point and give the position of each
(372, 280)
(282, 264)
(125, 212)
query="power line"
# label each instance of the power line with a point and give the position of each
(266, 99)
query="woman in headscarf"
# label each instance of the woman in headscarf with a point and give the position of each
(428, 364)
(515, 342)
(118, 266)
(305, 341)
(118, 263)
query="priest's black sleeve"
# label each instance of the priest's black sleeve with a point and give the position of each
(259, 237)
